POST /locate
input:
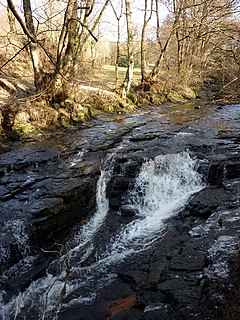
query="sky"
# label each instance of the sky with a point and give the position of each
(109, 23)
(108, 26)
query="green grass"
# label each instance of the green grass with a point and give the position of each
(105, 77)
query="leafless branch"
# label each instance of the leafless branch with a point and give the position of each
(87, 28)
(19, 19)
(15, 55)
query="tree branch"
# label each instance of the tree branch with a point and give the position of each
(16, 54)
(22, 24)
(86, 27)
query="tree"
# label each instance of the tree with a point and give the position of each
(146, 20)
(11, 20)
(195, 29)
(130, 50)
(118, 16)
(74, 30)
(163, 45)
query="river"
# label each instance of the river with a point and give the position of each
(116, 219)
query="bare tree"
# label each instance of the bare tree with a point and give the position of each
(146, 19)
(77, 25)
(163, 45)
(118, 16)
(130, 49)
(201, 25)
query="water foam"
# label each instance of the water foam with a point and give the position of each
(161, 189)
(86, 233)
(17, 228)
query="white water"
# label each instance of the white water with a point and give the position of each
(78, 158)
(161, 189)
(17, 228)
(86, 233)
(221, 245)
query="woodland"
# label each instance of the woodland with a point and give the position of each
(63, 61)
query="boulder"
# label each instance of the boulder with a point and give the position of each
(207, 200)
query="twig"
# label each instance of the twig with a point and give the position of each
(226, 85)
(16, 312)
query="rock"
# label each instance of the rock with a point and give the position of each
(207, 200)
(128, 211)
(133, 277)
(97, 311)
(197, 107)
(43, 208)
(120, 306)
(164, 281)
(233, 169)
(125, 171)
(116, 190)
(190, 260)
(216, 174)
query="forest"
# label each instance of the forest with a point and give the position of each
(69, 59)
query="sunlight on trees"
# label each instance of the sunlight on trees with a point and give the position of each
(188, 43)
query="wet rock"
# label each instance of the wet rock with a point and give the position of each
(117, 189)
(124, 173)
(43, 208)
(26, 158)
(128, 211)
(216, 174)
(176, 286)
(207, 200)
(155, 271)
(133, 277)
(233, 170)
(3, 192)
(118, 307)
(97, 311)
(165, 280)
(118, 289)
(190, 260)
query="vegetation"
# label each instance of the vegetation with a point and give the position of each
(183, 48)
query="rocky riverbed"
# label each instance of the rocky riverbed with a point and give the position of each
(51, 185)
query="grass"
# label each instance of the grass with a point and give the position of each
(105, 78)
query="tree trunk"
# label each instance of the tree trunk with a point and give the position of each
(55, 81)
(129, 74)
(87, 31)
(143, 53)
(118, 17)
(11, 20)
(34, 48)
(117, 53)
(163, 48)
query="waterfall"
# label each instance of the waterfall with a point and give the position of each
(85, 234)
(162, 188)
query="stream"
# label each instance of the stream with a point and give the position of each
(127, 217)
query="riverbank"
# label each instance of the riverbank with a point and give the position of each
(24, 114)
(20, 117)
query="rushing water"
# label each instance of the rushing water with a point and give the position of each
(161, 189)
